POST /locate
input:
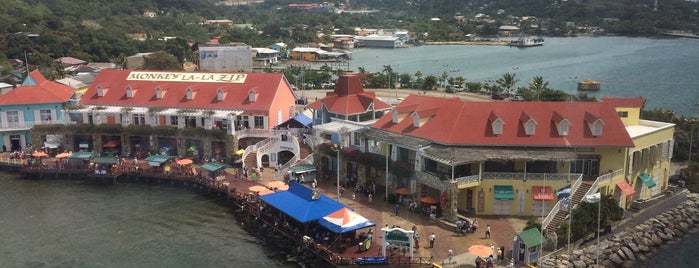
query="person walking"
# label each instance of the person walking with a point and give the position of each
(487, 231)
(397, 207)
(478, 261)
(450, 253)
(432, 238)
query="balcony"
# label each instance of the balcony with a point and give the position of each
(15, 126)
(530, 176)
(468, 181)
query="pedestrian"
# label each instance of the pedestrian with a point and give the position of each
(499, 256)
(414, 228)
(487, 231)
(502, 250)
(416, 237)
(371, 197)
(490, 262)
(450, 254)
(397, 207)
(478, 261)
(432, 238)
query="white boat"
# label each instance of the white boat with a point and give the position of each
(526, 41)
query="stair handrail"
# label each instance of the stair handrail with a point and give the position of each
(254, 148)
(285, 167)
(559, 204)
(607, 176)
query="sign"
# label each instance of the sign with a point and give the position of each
(237, 78)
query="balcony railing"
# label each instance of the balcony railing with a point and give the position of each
(28, 124)
(530, 176)
(468, 181)
(253, 133)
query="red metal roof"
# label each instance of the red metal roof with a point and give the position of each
(459, 122)
(44, 91)
(624, 102)
(265, 86)
(349, 97)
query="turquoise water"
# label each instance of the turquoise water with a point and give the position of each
(664, 71)
(67, 223)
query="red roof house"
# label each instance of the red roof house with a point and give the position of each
(35, 90)
(348, 98)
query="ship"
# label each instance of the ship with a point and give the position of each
(588, 85)
(526, 41)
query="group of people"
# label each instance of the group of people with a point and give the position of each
(464, 226)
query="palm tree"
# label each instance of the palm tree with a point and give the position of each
(538, 84)
(507, 81)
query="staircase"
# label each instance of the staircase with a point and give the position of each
(251, 160)
(562, 214)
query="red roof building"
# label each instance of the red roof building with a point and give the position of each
(349, 101)
(35, 90)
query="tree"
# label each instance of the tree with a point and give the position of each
(507, 81)
(537, 85)
(429, 83)
(161, 60)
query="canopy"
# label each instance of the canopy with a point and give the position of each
(39, 154)
(542, 192)
(192, 148)
(185, 161)
(344, 220)
(83, 155)
(111, 144)
(302, 203)
(51, 145)
(531, 237)
(157, 160)
(625, 188)
(647, 180)
(265, 192)
(480, 250)
(302, 168)
(240, 152)
(63, 155)
(564, 192)
(283, 187)
(298, 121)
(428, 200)
(214, 166)
(403, 191)
(104, 160)
(503, 192)
(275, 184)
(257, 188)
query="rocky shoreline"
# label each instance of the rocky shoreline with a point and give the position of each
(637, 244)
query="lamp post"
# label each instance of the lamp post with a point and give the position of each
(338, 149)
(596, 198)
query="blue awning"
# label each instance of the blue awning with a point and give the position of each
(299, 203)
(304, 120)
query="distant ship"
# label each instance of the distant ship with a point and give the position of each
(588, 85)
(526, 41)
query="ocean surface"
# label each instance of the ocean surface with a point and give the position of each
(664, 71)
(68, 223)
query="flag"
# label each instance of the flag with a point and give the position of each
(593, 198)
(564, 192)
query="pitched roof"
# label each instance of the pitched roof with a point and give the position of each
(349, 98)
(624, 102)
(37, 90)
(174, 86)
(70, 61)
(531, 237)
(457, 122)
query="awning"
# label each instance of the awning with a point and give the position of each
(302, 203)
(104, 160)
(504, 192)
(83, 145)
(647, 180)
(625, 188)
(51, 145)
(157, 160)
(82, 155)
(213, 166)
(542, 192)
(111, 144)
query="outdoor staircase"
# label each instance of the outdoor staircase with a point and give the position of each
(575, 199)
(251, 160)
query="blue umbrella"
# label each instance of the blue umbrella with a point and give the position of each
(564, 192)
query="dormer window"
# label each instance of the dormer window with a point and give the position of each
(597, 128)
(219, 94)
(158, 93)
(563, 127)
(129, 92)
(497, 126)
(190, 95)
(100, 91)
(251, 96)
(416, 120)
(394, 114)
(529, 124)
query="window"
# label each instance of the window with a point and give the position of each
(259, 122)
(173, 120)
(13, 118)
(45, 115)
(158, 93)
(251, 96)
(129, 92)
(597, 128)
(190, 121)
(563, 127)
(139, 119)
(497, 127)
(100, 91)
(530, 128)
(623, 114)
(189, 94)
(219, 95)
(356, 139)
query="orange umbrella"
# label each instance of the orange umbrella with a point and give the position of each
(480, 250)
(63, 155)
(184, 161)
(283, 187)
(266, 191)
(39, 154)
(428, 200)
(275, 184)
(403, 191)
(257, 188)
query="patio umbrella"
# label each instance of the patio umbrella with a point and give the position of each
(265, 192)
(257, 188)
(39, 154)
(428, 200)
(275, 184)
(192, 148)
(62, 155)
(239, 152)
(403, 191)
(184, 161)
(283, 187)
(480, 250)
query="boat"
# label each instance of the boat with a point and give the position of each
(527, 41)
(588, 85)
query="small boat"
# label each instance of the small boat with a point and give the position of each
(588, 85)
(526, 41)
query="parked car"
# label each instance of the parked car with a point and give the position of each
(497, 97)
(450, 89)
(517, 98)
(301, 101)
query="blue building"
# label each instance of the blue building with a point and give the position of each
(36, 102)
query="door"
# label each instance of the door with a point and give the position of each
(469, 199)
(15, 143)
(501, 206)
(111, 119)
(540, 208)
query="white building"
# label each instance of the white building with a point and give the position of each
(233, 57)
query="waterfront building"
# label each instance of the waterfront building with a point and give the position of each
(36, 102)
(233, 57)
(164, 112)
(499, 158)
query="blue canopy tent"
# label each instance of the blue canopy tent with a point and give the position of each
(302, 203)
